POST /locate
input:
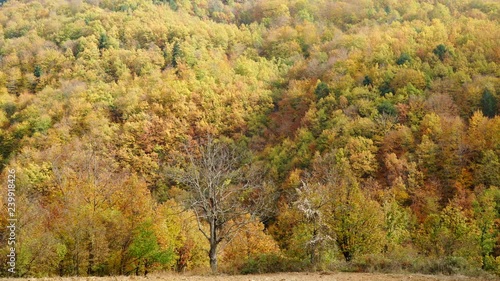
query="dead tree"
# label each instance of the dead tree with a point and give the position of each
(221, 189)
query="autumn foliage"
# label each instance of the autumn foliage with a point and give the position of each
(370, 129)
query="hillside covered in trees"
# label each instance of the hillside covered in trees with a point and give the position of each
(272, 135)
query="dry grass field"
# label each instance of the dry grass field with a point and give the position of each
(269, 277)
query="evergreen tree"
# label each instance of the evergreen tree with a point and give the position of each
(176, 53)
(440, 51)
(488, 104)
(321, 90)
(38, 71)
(103, 41)
(404, 57)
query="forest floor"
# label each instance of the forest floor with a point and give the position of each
(339, 276)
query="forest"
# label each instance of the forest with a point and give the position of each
(250, 136)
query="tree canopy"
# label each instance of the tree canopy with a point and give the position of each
(370, 128)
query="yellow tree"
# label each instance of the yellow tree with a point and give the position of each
(249, 243)
(341, 210)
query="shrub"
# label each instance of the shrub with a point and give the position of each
(446, 265)
(389, 262)
(375, 263)
(492, 264)
(271, 263)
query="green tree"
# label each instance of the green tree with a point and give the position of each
(176, 54)
(146, 250)
(103, 41)
(38, 71)
(487, 171)
(450, 234)
(441, 51)
(173, 5)
(386, 107)
(339, 209)
(367, 81)
(488, 104)
(321, 90)
(385, 88)
(357, 223)
(486, 207)
(403, 58)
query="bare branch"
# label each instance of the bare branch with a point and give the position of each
(222, 190)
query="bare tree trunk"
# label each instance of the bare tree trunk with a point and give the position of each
(213, 257)
(212, 254)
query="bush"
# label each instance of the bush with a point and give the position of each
(492, 264)
(401, 261)
(271, 263)
(393, 263)
(446, 265)
(376, 263)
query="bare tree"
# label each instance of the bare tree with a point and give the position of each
(222, 190)
(312, 201)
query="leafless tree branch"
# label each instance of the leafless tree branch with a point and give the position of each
(222, 191)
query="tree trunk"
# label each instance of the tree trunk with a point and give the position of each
(213, 258)
(212, 254)
(347, 256)
(313, 248)
(90, 270)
